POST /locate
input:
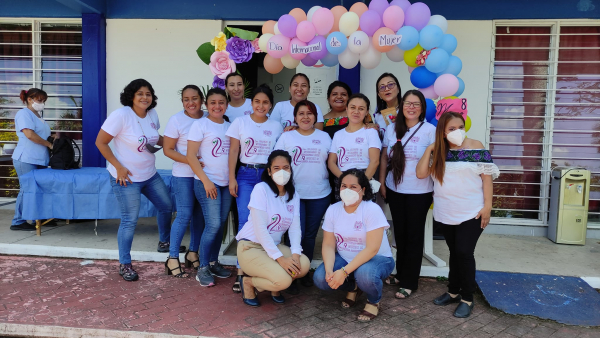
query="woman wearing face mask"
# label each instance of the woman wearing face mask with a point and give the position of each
(309, 148)
(409, 198)
(389, 95)
(462, 171)
(211, 183)
(32, 149)
(274, 209)
(337, 118)
(355, 147)
(252, 138)
(238, 105)
(284, 110)
(356, 254)
(131, 163)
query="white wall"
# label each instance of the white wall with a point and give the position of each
(162, 52)
(474, 49)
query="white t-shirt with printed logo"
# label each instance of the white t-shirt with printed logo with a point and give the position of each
(352, 149)
(178, 128)
(130, 135)
(284, 114)
(281, 215)
(257, 140)
(350, 230)
(233, 113)
(309, 161)
(214, 149)
(413, 151)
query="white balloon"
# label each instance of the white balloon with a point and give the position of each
(289, 62)
(263, 41)
(371, 58)
(311, 12)
(348, 59)
(439, 21)
(358, 42)
(349, 23)
(396, 54)
(276, 29)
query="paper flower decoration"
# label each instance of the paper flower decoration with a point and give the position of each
(221, 65)
(220, 42)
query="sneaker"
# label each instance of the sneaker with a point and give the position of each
(23, 227)
(165, 246)
(204, 277)
(126, 270)
(219, 270)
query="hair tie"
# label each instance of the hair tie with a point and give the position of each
(398, 140)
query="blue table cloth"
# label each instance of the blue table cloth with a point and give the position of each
(83, 193)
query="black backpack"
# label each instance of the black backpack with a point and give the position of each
(62, 155)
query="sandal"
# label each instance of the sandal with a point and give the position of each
(168, 271)
(370, 311)
(391, 280)
(189, 263)
(349, 302)
(236, 286)
(403, 292)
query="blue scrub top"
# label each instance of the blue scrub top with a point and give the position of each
(27, 151)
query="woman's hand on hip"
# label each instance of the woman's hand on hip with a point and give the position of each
(485, 215)
(211, 190)
(123, 176)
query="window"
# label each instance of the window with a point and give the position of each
(44, 54)
(545, 112)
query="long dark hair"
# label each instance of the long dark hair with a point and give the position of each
(363, 181)
(440, 150)
(338, 84)
(397, 162)
(381, 105)
(265, 177)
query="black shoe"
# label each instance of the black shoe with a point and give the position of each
(293, 289)
(219, 270)
(237, 286)
(165, 246)
(252, 302)
(23, 227)
(126, 270)
(278, 299)
(446, 299)
(307, 281)
(463, 310)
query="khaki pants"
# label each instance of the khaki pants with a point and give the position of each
(266, 273)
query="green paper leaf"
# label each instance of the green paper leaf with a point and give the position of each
(205, 51)
(242, 33)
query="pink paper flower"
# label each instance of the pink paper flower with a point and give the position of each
(256, 47)
(220, 64)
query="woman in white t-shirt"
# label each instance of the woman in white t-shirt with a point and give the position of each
(252, 139)
(211, 182)
(188, 209)
(389, 95)
(131, 163)
(284, 110)
(409, 197)
(356, 253)
(462, 171)
(355, 147)
(309, 148)
(274, 209)
(238, 105)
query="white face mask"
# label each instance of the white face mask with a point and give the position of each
(349, 196)
(37, 106)
(456, 137)
(281, 177)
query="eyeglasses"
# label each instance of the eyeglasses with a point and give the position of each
(388, 86)
(414, 104)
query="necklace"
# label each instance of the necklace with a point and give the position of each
(138, 121)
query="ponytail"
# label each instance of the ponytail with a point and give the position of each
(33, 93)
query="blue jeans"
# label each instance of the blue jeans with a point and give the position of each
(215, 215)
(311, 214)
(188, 209)
(368, 276)
(246, 178)
(129, 198)
(22, 168)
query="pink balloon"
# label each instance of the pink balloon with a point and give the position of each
(318, 54)
(323, 20)
(393, 18)
(278, 45)
(410, 69)
(297, 43)
(429, 92)
(370, 22)
(309, 62)
(404, 4)
(379, 6)
(446, 85)
(287, 25)
(305, 31)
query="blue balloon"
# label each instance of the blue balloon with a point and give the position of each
(461, 87)
(422, 78)
(449, 43)
(437, 61)
(454, 66)
(410, 37)
(430, 37)
(336, 43)
(433, 121)
(430, 110)
(330, 60)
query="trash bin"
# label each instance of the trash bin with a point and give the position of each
(569, 199)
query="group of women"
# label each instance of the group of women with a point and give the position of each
(288, 167)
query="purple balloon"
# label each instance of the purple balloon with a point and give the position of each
(417, 15)
(404, 4)
(287, 25)
(379, 6)
(309, 62)
(323, 52)
(370, 22)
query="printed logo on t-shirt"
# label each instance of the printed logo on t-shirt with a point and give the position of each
(250, 149)
(267, 133)
(219, 148)
(248, 112)
(142, 140)
(290, 209)
(275, 224)
(415, 139)
(358, 226)
(153, 125)
(360, 140)
(342, 158)
(306, 155)
(259, 148)
(316, 141)
(340, 241)
(287, 123)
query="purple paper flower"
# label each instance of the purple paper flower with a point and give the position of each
(240, 50)
(218, 82)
